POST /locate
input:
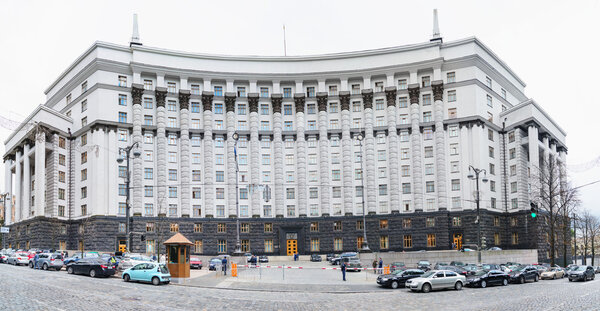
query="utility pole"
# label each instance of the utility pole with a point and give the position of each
(475, 176)
(136, 154)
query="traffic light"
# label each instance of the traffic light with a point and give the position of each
(533, 209)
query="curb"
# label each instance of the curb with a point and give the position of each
(277, 290)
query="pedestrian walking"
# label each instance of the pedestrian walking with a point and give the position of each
(453, 245)
(344, 271)
(380, 265)
(374, 266)
(36, 258)
(224, 265)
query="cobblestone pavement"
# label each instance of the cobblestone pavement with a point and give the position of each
(26, 289)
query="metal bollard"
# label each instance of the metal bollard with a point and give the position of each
(283, 271)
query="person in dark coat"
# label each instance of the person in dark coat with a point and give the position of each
(36, 258)
(380, 265)
(224, 265)
(344, 271)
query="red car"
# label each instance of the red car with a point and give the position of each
(195, 263)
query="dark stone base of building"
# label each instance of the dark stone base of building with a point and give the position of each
(101, 233)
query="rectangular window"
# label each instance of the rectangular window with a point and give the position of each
(426, 99)
(148, 103)
(264, 92)
(429, 187)
(218, 109)
(122, 81)
(491, 152)
(453, 149)
(241, 91)
(287, 110)
(337, 225)
(314, 245)
(122, 117)
(456, 222)
(287, 92)
(450, 77)
(426, 81)
(513, 187)
(148, 209)
(268, 246)
(515, 238)
(512, 153)
(402, 84)
(406, 188)
(338, 244)
(384, 242)
(430, 222)
(264, 108)
(489, 101)
(496, 238)
(382, 190)
(406, 223)
(310, 91)
(430, 240)
(383, 224)
(408, 241)
(197, 210)
(452, 96)
(511, 137)
(403, 102)
(222, 246)
(455, 184)
(452, 113)
(245, 228)
(218, 91)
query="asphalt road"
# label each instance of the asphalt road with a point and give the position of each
(22, 288)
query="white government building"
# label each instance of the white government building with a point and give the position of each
(426, 112)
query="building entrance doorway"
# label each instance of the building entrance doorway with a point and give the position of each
(457, 238)
(291, 243)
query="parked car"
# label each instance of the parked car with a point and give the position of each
(248, 256)
(490, 266)
(597, 269)
(92, 266)
(424, 265)
(397, 265)
(553, 273)
(353, 264)
(336, 261)
(195, 263)
(484, 278)
(436, 279)
(398, 278)
(315, 257)
(457, 263)
(131, 260)
(263, 258)
(582, 273)
(151, 272)
(440, 265)
(77, 256)
(494, 248)
(329, 257)
(18, 258)
(523, 274)
(569, 268)
(48, 261)
(456, 269)
(541, 269)
(215, 264)
(4, 255)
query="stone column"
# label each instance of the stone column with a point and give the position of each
(440, 145)
(534, 149)
(161, 151)
(231, 165)
(393, 161)
(325, 188)
(209, 174)
(417, 170)
(369, 153)
(40, 174)
(8, 186)
(254, 154)
(98, 192)
(18, 184)
(301, 153)
(26, 207)
(136, 181)
(112, 167)
(184, 140)
(347, 174)
(279, 193)
(55, 165)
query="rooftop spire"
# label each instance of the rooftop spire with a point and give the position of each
(436, 28)
(135, 36)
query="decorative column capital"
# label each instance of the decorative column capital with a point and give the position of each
(367, 95)
(438, 90)
(253, 102)
(344, 100)
(276, 102)
(390, 95)
(230, 101)
(207, 99)
(413, 93)
(160, 93)
(184, 99)
(137, 90)
(322, 101)
(299, 100)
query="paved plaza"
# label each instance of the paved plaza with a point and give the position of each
(26, 289)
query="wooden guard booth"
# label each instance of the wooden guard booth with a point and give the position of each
(178, 256)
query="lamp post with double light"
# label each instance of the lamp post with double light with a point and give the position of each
(238, 247)
(474, 175)
(365, 246)
(128, 151)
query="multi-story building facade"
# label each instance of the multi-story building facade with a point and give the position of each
(426, 111)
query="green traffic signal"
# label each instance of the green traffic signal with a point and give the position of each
(533, 215)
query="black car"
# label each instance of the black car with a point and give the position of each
(398, 278)
(337, 260)
(215, 264)
(94, 267)
(263, 258)
(397, 265)
(484, 278)
(524, 273)
(424, 265)
(456, 269)
(315, 257)
(490, 266)
(329, 257)
(582, 273)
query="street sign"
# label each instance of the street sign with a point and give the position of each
(4, 230)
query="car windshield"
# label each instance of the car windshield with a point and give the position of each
(195, 259)
(581, 268)
(428, 274)
(215, 261)
(480, 273)
(423, 262)
(164, 269)
(520, 268)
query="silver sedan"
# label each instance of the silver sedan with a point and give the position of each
(436, 279)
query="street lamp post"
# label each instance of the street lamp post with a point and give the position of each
(238, 247)
(365, 245)
(136, 153)
(4, 195)
(484, 179)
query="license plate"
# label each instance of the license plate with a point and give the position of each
(167, 279)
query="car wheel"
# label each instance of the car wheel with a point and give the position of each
(504, 282)
(570, 280)
(31, 265)
(394, 285)
(458, 285)
(483, 284)
(70, 270)
(93, 273)
(535, 278)
(554, 277)
(126, 277)
(155, 281)
(593, 276)
(426, 288)
(522, 280)
(45, 267)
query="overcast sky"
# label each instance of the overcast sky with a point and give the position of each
(552, 45)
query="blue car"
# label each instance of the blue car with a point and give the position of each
(148, 272)
(77, 256)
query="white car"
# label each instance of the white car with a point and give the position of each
(436, 279)
(131, 260)
(18, 258)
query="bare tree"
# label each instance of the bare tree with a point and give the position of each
(161, 226)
